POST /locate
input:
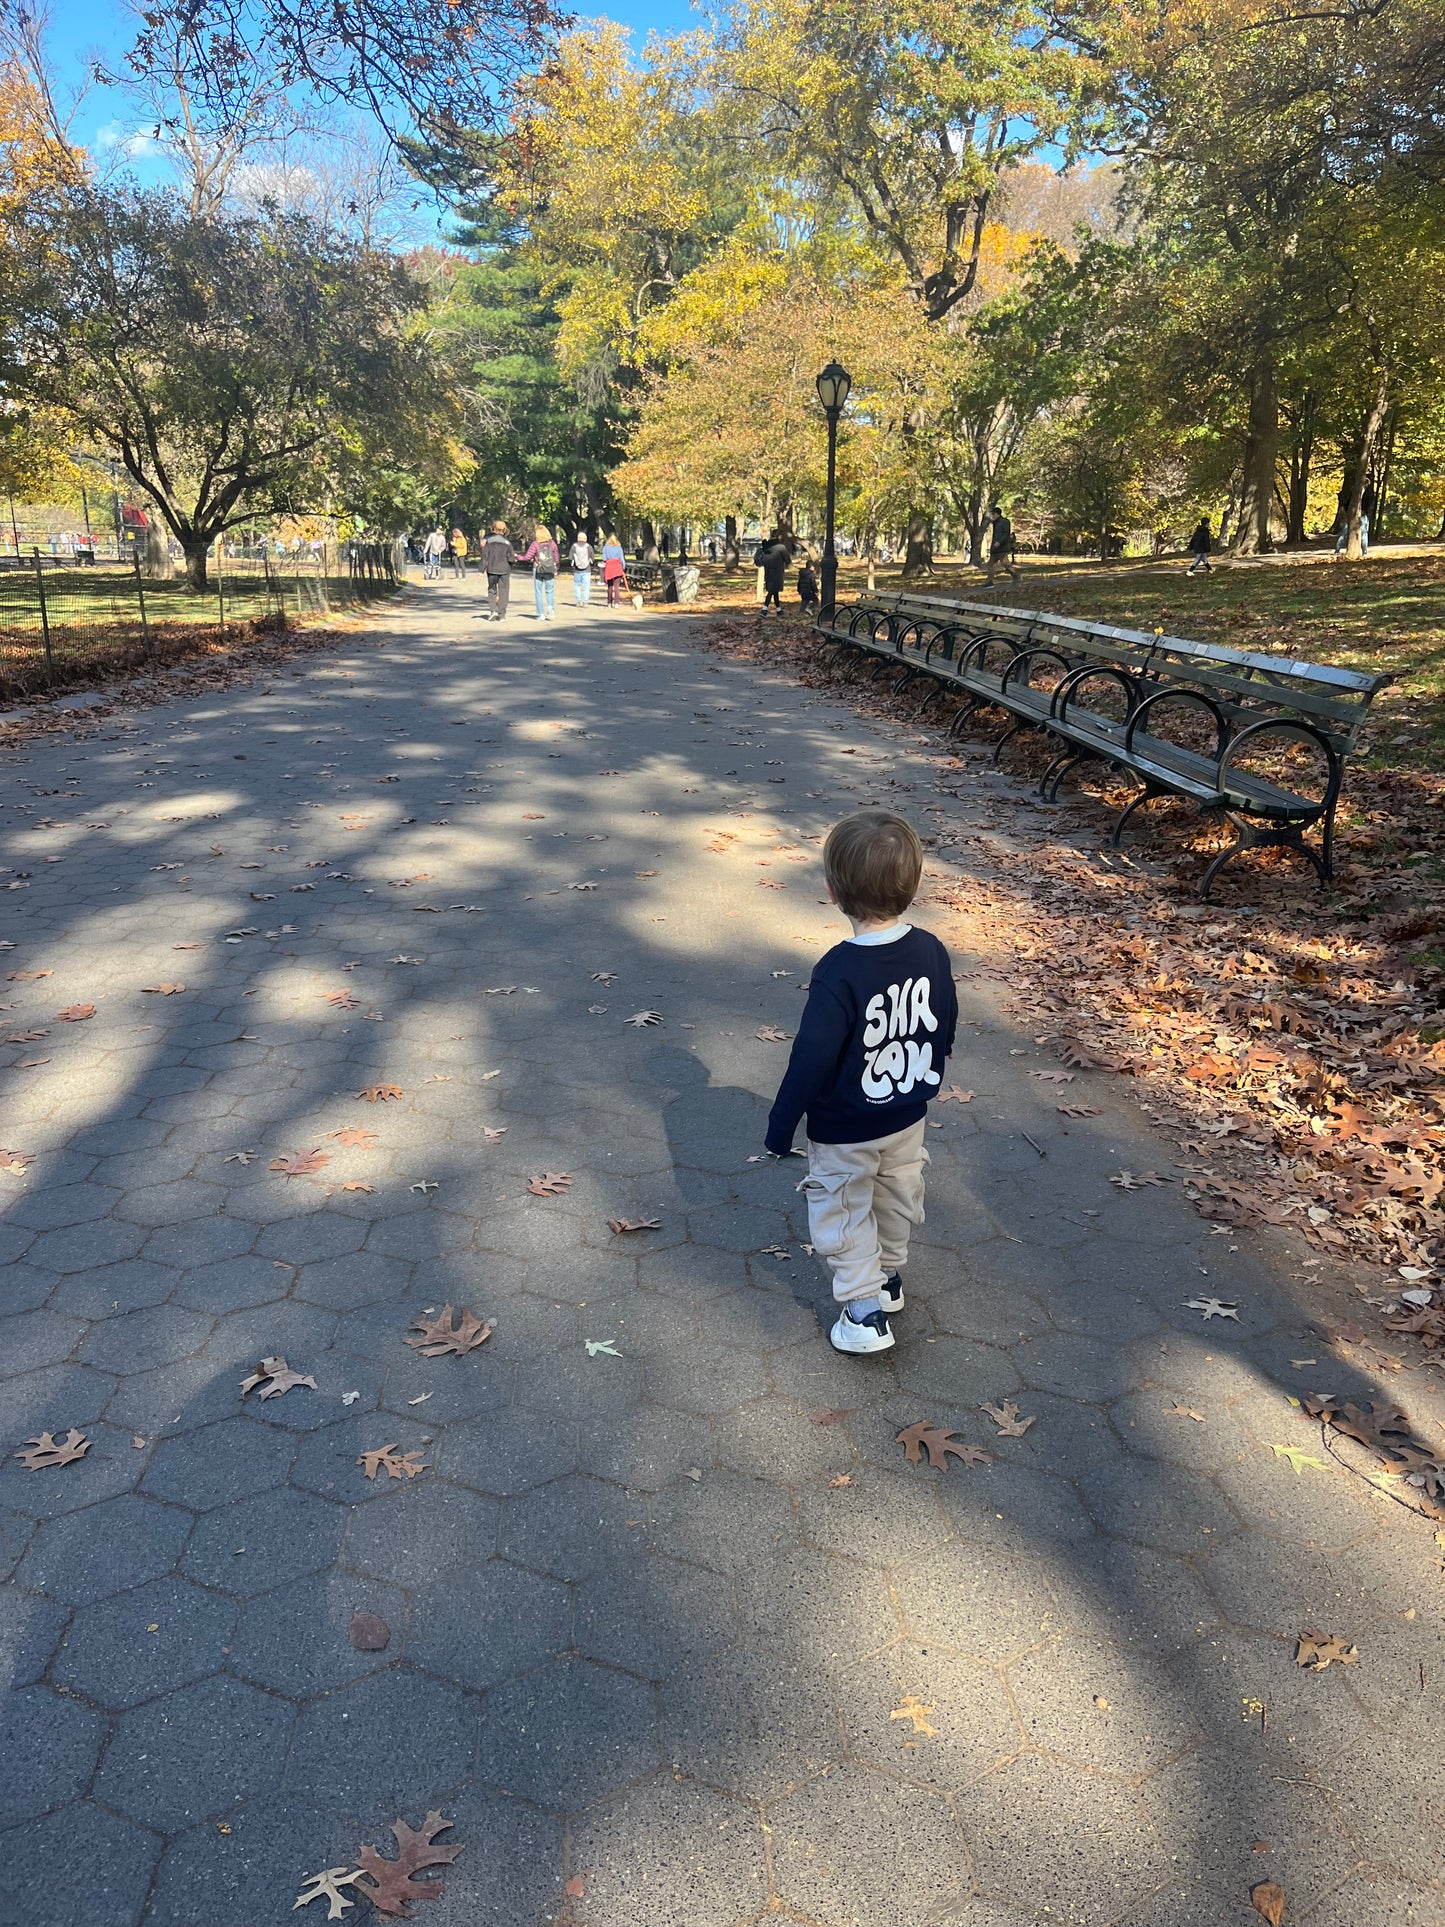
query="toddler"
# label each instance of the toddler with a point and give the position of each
(878, 1024)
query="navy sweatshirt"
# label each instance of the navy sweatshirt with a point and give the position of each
(870, 1050)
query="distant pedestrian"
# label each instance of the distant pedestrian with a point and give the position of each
(1344, 535)
(459, 552)
(542, 554)
(581, 560)
(431, 554)
(808, 589)
(614, 570)
(1201, 546)
(773, 559)
(497, 559)
(1001, 545)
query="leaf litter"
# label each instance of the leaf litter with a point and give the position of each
(274, 1377)
(448, 1332)
(46, 1451)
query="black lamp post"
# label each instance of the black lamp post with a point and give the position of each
(832, 385)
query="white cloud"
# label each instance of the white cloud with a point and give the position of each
(132, 143)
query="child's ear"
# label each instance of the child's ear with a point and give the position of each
(831, 897)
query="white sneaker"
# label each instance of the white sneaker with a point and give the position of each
(890, 1293)
(861, 1336)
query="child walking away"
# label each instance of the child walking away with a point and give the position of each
(877, 1027)
(808, 589)
(1200, 544)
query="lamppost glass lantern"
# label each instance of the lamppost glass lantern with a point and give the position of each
(833, 386)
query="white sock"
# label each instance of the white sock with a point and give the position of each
(859, 1308)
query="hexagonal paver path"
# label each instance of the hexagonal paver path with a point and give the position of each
(643, 1596)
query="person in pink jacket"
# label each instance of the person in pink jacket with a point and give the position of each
(542, 554)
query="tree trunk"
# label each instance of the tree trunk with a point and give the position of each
(156, 559)
(649, 543)
(1378, 527)
(1300, 456)
(1261, 450)
(732, 554)
(1373, 420)
(196, 548)
(918, 554)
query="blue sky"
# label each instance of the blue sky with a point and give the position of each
(84, 28)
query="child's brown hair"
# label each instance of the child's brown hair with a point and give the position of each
(873, 861)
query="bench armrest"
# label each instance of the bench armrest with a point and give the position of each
(1141, 710)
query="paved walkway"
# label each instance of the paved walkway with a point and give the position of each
(675, 1633)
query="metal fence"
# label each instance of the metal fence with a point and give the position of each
(63, 623)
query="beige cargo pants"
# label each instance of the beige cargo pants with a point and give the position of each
(863, 1201)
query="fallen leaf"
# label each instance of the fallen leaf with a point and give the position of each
(780, 1252)
(843, 1478)
(1010, 1422)
(575, 1888)
(46, 1451)
(426, 1186)
(1130, 1181)
(635, 1224)
(27, 1037)
(551, 1184)
(1076, 1110)
(910, 1707)
(955, 1095)
(605, 1345)
(640, 1019)
(388, 1884)
(1212, 1308)
(76, 1013)
(770, 1034)
(834, 1415)
(327, 1886)
(938, 1442)
(300, 1163)
(1320, 1650)
(1184, 1411)
(581, 886)
(353, 1135)
(381, 1093)
(274, 1377)
(396, 1465)
(356, 1185)
(27, 976)
(604, 976)
(368, 1633)
(448, 1332)
(161, 990)
(1298, 1458)
(185, 946)
(15, 1161)
(1101, 1703)
(240, 1157)
(1268, 1899)
(491, 1136)
(1053, 1077)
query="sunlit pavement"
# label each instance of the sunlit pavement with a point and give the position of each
(676, 1632)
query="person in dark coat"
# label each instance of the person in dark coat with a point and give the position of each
(808, 588)
(1201, 544)
(773, 559)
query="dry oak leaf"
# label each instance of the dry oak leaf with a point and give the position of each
(388, 1884)
(327, 1886)
(380, 1093)
(352, 1135)
(575, 1888)
(1183, 1411)
(492, 1135)
(1053, 1077)
(396, 1465)
(26, 976)
(1319, 1650)
(640, 1019)
(1076, 1110)
(161, 990)
(954, 1095)
(275, 1377)
(300, 1163)
(46, 1451)
(770, 1034)
(635, 1224)
(1268, 1899)
(356, 1185)
(15, 1161)
(938, 1443)
(438, 1335)
(910, 1707)
(1298, 1458)
(341, 1000)
(1010, 1421)
(1212, 1308)
(75, 1013)
(551, 1184)
(1082, 1058)
(1136, 1180)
